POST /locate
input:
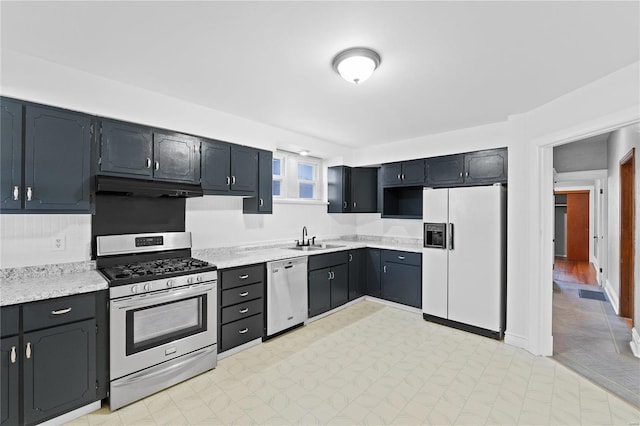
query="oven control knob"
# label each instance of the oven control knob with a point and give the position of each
(134, 289)
(190, 280)
(170, 283)
(199, 278)
(147, 287)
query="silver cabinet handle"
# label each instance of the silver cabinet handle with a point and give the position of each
(27, 352)
(16, 193)
(261, 202)
(329, 275)
(148, 163)
(13, 355)
(228, 181)
(399, 176)
(244, 330)
(403, 176)
(61, 311)
(401, 257)
(344, 205)
(29, 193)
(233, 180)
(244, 311)
(466, 174)
(384, 269)
(350, 257)
(354, 204)
(157, 167)
(460, 174)
(244, 277)
(244, 294)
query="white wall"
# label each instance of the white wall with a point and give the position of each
(620, 143)
(581, 155)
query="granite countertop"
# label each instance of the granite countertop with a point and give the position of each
(29, 284)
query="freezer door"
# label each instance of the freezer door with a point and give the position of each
(434, 260)
(475, 262)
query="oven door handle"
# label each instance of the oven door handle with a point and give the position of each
(146, 300)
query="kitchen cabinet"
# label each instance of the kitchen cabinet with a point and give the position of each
(402, 202)
(136, 151)
(51, 364)
(229, 169)
(402, 277)
(357, 273)
(374, 268)
(352, 189)
(404, 173)
(240, 306)
(263, 202)
(45, 159)
(471, 168)
(328, 282)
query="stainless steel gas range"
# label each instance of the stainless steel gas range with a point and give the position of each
(162, 312)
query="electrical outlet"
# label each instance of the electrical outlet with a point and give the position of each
(59, 243)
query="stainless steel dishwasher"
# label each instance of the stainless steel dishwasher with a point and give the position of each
(286, 294)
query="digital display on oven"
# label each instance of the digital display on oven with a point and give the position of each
(149, 241)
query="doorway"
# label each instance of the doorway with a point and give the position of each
(627, 230)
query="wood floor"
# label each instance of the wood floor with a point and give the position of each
(574, 271)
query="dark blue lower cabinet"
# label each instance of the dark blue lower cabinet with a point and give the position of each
(402, 283)
(339, 285)
(319, 291)
(59, 370)
(9, 374)
(374, 268)
(357, 273)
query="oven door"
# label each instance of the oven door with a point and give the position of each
(148, 329)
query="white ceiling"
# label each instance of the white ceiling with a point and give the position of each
(445, 65)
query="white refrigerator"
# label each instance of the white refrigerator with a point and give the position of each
(464, 258)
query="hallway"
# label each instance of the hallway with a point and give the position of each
(588, 336)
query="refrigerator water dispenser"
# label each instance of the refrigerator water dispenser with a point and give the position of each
(435, 235)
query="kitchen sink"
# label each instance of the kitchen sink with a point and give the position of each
(316, 247)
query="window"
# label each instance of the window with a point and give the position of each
(296, 177)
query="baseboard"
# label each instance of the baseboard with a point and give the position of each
(233, 351)
(517, 341)
(72, 415)
(635, 342)
(394, 305)
(334, 310)
(612, 295)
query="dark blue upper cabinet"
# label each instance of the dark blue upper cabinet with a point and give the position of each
(56, 160)
(488, 166)
(445, 171)
(244, 169)
(405, 173)
(11, 190)
(262, 203)
(126, 149)
(391, 174)
(176, 157)
(215, 166)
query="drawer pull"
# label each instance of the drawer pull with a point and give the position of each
(27, 352)
(384, 269)
(244, 311)
(401, 257)
(61, 311)
(244, 277)
(148, 163)
(244, 330)
(13, 354)
(244, 294)
(16, 193)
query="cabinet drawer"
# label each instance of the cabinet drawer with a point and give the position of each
(63, 310)
(320, 261)
(231, 278)
(242, 331)
(405, 257)
(242, 310)
(9, 320)
(241, 294)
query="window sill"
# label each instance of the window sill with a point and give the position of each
(299, 201)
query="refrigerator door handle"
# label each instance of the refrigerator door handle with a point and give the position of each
(450, 236)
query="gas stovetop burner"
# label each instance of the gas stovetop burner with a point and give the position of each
(126, 273)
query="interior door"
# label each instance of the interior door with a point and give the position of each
(578, 226)
(475, 260)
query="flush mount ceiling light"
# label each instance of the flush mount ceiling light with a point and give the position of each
(356, 64)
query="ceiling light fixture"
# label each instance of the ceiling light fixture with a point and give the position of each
(356, 64)
(304, 153)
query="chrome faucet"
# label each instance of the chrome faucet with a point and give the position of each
(304, 232)
(308, 242)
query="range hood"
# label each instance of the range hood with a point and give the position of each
(146, 188)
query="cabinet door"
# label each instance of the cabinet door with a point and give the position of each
(484, 167)
(11, 191)
(413, 172)
(126, 149)
(339, 285)
(364, 190)
(176, 157)
(9, 391)
(445, 171)
(57, 160)
(373, 273)
(319, 291)
(338, 183)
(391, 174)
(244, 169)
(265, 182)
(402, 283)
(357, 273)
(59, 370)
(215, 166)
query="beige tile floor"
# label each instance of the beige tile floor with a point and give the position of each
(374, 364)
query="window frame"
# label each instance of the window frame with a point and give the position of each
(290, 182)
